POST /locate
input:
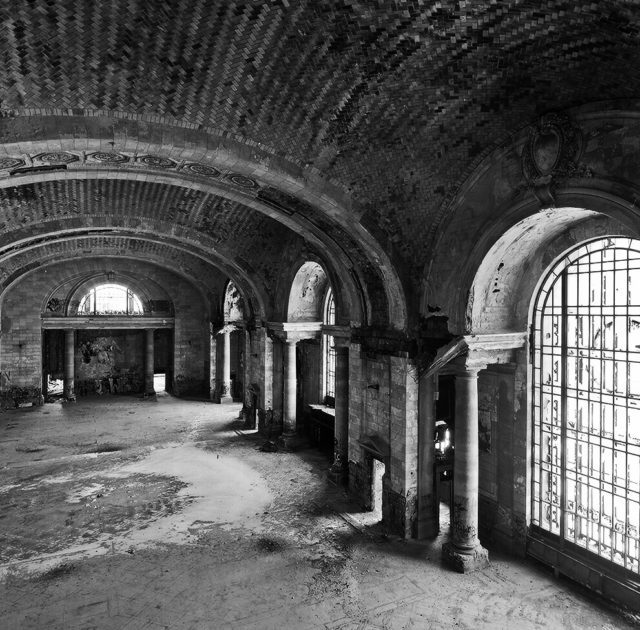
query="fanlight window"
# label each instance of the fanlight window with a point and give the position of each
(586, 402)
(329, 354)
(110, 299)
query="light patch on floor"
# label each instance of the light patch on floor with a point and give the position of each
(225, 491)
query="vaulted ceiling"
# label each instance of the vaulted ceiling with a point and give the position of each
(240, 131)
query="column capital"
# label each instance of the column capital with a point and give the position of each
(222, 330)
(466, 367)
(294, 331)
(477, 351)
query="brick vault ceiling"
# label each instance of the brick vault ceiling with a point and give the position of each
(219, 229)
(393, 100)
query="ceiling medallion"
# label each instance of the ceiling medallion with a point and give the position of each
(202, 170)
(156, 161)
(551, 155)
(56, 158)
(9, 162)
(110, 158)
(242, 181)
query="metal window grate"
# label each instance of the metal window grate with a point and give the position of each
(586, 401)
(329, 348)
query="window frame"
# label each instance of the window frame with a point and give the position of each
(552, 318)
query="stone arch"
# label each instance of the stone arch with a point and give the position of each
(319, 210)
(170, 253)
(506, 279)
(501, 191)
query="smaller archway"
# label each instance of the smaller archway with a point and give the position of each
(107, 333)
(230, 354)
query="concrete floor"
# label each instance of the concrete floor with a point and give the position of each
(129, 514)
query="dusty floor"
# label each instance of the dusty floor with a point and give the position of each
(128, 514)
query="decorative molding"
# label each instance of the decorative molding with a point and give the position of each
(156, 161)
(106, 322)
(57, 157)
(107, 157)
(24, 163)
(551, 155)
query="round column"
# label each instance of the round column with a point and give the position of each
(341, 427)
(213, 393)
(428, 517)
(69, 365)
(149, 389)
(226, 367)
(464, 552)
(290, 388)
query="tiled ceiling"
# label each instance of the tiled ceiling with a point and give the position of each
(394, 100)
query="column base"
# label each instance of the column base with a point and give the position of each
(465, 560)
(289, 442)
(225, 400)
(149, 395)
(70, 398)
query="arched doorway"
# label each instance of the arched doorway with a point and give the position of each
(585, 499)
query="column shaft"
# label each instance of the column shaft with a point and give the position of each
(428, 513)
(464, 551)
(341, 427)
(226, 368)
(69, 365)
(213, 356)
(149, 389)
(290, 388)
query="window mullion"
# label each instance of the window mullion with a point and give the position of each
(563, 404)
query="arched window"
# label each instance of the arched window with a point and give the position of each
(329, 349)
(586, 403)
(110, 299)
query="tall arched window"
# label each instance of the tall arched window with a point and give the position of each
(110, 299)
(586, 402)
(329, 349)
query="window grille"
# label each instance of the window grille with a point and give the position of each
(110, 299)
(586, 401)
(329, 348)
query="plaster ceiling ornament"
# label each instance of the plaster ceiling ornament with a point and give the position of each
(7, 163)
(109, 158)
(241, 180)
(156, 161)
(551, 155)
(202, 170)
(56, 158)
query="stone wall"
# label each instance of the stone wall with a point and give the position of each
(383, 417)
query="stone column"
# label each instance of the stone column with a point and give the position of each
(288, 437)
(463, 552)
(226, 367)
(213, 357)
(149, 389)
(341, 427)
(428, 513)
(69, 365)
